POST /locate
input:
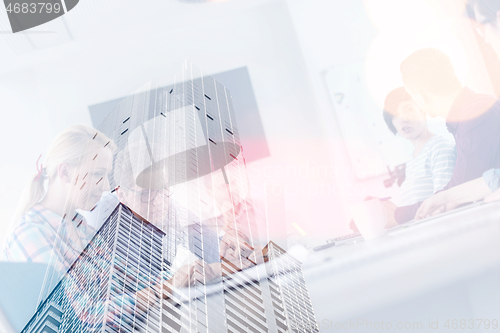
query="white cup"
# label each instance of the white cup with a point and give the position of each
(370, 218)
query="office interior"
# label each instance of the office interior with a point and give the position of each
(302, 176)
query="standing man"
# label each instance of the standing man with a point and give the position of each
(487, 16)
(473, 119)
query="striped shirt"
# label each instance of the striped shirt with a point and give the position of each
(430, 171)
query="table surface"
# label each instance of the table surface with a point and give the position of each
(409, 261)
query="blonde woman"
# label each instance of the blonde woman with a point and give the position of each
(49, 230)
(73, 176)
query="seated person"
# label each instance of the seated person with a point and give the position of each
(433, 159)
(472, 118)
(51, 231)
(48, 229)
(73, 176)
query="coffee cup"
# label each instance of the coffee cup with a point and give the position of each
(370, 218)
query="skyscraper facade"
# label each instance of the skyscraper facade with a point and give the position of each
(114, 285)
(118, 284)
(293, 307)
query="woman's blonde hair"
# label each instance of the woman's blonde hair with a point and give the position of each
(68, 147)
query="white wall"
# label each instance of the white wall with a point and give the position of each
(336, 33)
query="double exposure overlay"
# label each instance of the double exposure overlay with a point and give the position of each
(159, 261)
(249, 166)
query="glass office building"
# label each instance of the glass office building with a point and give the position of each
(113, 286)
(293, 307)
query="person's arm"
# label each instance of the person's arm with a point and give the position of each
(477, 189)
(447, 200)
(495, 196)
(405, 214)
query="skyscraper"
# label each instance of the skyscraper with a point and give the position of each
(288, 288)
(181, 136)
(112, 286)
(118, 285)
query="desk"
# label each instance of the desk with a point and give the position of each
(445, 262)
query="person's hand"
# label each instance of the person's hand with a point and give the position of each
(495, 196)
(438, 203)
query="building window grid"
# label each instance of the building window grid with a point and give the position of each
(230, 284)
(247, 307)
(256, 326)
(240, 295)
(235, 323)
(290, 284)
(123, 248)
(144, 248)
(238, 299)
